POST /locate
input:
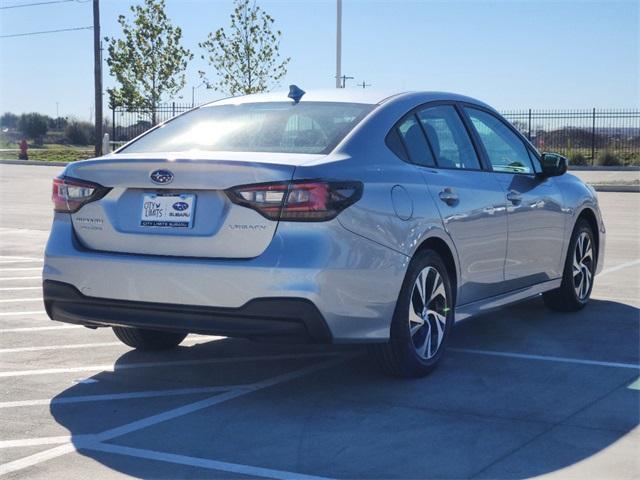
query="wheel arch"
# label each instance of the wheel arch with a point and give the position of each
(442, 248)
(589, 215)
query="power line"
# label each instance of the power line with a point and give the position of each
(35, 4)
(45, 31)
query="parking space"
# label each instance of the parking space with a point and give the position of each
(522, 392)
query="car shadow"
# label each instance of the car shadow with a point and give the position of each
(476, 415)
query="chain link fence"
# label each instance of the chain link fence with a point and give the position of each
(609, 137)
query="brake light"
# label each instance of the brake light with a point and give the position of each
(297, 201)
(69, 194)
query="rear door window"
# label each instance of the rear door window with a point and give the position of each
(448, 138)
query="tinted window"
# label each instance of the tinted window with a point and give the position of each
(415, 143)
(395, 144)
(507, 153)
(311, 127)
(448, 138)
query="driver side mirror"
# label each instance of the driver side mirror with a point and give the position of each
(553, 165)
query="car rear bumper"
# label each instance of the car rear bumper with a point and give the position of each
(351, 281)
(282, 318)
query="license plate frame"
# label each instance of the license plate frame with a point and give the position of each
(167, 210)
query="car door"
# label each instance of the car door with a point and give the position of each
(535, 217)
(470, 201)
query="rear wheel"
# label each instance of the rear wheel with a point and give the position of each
(421, 322)
(579, 269)
(142, 339)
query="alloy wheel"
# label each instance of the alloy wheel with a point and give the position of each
(583, 266)
(428, 313)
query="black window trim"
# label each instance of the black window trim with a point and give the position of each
(525, 142)
(484, 165)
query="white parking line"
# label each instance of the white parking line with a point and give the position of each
(32, 442)
(545, 358)
(34, 260)
(619, 267)
(38, 277)
(176, 363)
(20, 300)
(20, 269)
(120, 396)
(15, 257)
(36, 329)
(162, 417)
(59, 347)
(195, 340)
(201, 462)
(13, 314)
(12, 289)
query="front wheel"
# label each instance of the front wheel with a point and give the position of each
(142, 339)
(579, 270)
(422, 320)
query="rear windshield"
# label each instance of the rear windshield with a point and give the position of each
(311, 127)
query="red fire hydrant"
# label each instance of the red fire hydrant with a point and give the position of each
(23, 150)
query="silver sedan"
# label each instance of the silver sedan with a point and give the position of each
(331, 216)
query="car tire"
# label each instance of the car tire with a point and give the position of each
(412, 350)
(579, 271)
(142, 339)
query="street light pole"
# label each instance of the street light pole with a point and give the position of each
(97, 76)
(338, 43)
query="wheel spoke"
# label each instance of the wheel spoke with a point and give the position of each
(428, 319)
(438, 289)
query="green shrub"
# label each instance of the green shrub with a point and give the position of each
(79, 133)
(577, 159)
(33, 125)
(608, 159)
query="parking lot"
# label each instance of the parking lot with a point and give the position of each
(522, 392)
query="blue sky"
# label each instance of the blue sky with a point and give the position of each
(511, 54)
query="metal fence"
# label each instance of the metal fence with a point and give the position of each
(585, 136)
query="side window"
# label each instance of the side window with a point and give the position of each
(507, 153)
(448, 138)
(394, 143)
(415, 143)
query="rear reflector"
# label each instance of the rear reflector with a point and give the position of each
(69, 194)
(297, 201)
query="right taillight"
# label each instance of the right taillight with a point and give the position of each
(69, 194)
(298, 201)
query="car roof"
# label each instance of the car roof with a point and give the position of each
(346, 95)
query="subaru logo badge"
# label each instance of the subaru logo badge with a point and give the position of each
(180, 206)
(161, 176)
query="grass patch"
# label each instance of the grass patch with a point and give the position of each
(52, 153)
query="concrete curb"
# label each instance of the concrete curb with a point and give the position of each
(617, 188)
(34, 162)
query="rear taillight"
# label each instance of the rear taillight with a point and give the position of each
(69, 194)
(297, 201)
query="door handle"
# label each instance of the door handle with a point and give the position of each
(514, 197)
(448, 196)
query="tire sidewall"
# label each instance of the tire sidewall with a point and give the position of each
(400, 334)
(581, 226)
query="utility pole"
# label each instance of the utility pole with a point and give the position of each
(343, 79)
(364, 85)
(97, 76)
(339, 43)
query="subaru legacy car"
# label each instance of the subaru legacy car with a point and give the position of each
(331, 216)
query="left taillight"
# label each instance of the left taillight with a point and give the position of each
(70, 194)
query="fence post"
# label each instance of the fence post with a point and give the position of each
(173, 110)
(113, 124)
(529, 124)
(593, 138)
